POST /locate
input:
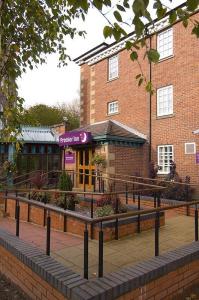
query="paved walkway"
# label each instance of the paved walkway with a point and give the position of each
(68, 249)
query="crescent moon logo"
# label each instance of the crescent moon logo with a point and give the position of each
(84, 137)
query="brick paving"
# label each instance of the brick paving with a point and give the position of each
(68, 249)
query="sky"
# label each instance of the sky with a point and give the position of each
(49, 84)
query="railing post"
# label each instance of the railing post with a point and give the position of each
(48, 234)
(65, 223)
(17, 218)
(155, 200)
(44, 218)
(126, 193)
(138, 224)
(196, 223)
(101, 252)
(6, 201)
(28, 217)
(116, 220)
(157, 224)
(133, 193)
(86, 252)
(159, 200)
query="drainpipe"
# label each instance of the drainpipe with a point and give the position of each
(150, 106)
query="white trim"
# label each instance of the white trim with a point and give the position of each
(164, 38)
(115, 104)
(170, 108)
(113, 59)
(190, 143)
(158, 156)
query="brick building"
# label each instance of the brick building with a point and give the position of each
(162, 127)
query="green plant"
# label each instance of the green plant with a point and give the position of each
(105, 210)
(67, 201)
(99, 160)
(39, 196)
(9, 167)
(65, 182)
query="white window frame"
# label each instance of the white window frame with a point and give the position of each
(165, 43)
(111, 65)
(165, 107)
(164, 167)
(190, 143)
(113, 107)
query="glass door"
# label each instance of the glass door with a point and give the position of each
(85, 168)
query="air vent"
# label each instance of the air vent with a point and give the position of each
(190, 148)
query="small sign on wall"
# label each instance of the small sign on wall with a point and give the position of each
(69, 158)
(197, 157)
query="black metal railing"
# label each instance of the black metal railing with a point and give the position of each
(92, 221)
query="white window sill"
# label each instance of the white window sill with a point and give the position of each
(112, 114)
(165, 116)
(165, 58)
(112, 79)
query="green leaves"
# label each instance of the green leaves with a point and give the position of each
(192, 4)
(172, 17)
(134, 55)
(153, 55)
(108, 31)
(117, 16)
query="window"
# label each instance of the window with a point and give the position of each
(165, 43)
(190, 148)
(112, 107)
(165, 156)
(165, 101)
(113, 67)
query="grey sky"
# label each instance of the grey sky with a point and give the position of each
(49, 84)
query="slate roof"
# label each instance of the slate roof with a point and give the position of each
(112, 128)
(39, 134)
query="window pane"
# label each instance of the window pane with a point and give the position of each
(165, 43)
(165, 156)
(165, 101)
(113, 67)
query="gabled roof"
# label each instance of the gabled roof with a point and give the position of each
(39, 134)
(112, 130)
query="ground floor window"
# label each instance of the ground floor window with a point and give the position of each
(165, 157)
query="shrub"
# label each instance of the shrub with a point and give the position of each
(111, 200)
(106, 210)
(39, 180)
(39, 196)
(67, 201)
(65, 182)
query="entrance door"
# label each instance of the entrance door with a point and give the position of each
(85, 168)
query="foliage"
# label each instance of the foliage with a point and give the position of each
(29, 31)
(111, 200)
(65, 182)
(176, 190)
(32, 29)
(67, 201)
(99, 160)
(105, 210)
(153, 170)
(9, 167)
(45, 115)
(40, 196)
(38, 180)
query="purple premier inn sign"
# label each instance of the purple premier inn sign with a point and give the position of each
(69, 158)
(74, 138)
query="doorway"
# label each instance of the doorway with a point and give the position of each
(85, 168)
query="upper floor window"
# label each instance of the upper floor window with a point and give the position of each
(165, 43)
(165, 158)
(112, 107)
(113, 67)
(165, 101)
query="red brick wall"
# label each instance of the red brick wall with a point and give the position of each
(181, 71)
(73, 225)
(26, 279)
(168, 286)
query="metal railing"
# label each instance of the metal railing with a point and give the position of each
(92, 221)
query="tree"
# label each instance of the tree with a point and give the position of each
(31, 29)
(44, 115)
